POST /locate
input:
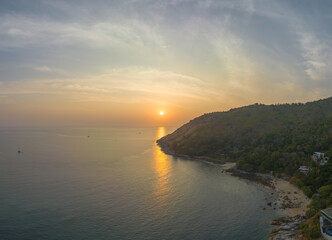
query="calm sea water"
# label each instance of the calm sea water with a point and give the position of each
(117, 184)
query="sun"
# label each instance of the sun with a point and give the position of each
(161, 113)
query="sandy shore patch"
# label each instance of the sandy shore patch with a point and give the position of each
(229, 165)
(291, 198)
(294, 203)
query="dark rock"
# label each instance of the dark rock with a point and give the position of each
(285, 227)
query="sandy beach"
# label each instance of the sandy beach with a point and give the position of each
(294, 203)
(229, 165)
(290, 198)
(281, 195)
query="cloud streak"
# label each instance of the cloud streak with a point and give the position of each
(21, 31)
(121, 85)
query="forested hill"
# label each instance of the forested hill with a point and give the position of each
(259, 137)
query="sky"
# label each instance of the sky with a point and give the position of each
(107, 63)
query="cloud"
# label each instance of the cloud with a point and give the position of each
(188, 50)
(119, 85)
(50, 70)
(314, 55)
(22, 31)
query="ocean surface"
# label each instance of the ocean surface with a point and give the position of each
(117, 184)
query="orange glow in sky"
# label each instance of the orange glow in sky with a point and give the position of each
(119, 67)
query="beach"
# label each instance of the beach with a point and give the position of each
(282, 196)
(293, 202)
(229, 165)
(290, 198)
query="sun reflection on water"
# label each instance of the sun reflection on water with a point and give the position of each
(162, 170)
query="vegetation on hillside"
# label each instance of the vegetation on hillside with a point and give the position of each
(318, 186)
(268, 138)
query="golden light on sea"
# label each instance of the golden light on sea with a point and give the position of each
(162, 169)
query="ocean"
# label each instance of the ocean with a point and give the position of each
(116, 183)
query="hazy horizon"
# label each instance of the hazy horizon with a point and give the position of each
(160, 123)
(119, 63)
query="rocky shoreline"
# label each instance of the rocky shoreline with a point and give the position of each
(287, 198)
(265, 180)
(184, 156)
(286, 228)
(294, 203)
(283, 196)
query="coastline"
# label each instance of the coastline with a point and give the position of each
(291, 198)
(286, 197)
(293, 202)
(165, 150)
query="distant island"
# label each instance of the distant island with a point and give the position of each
(290, 141)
